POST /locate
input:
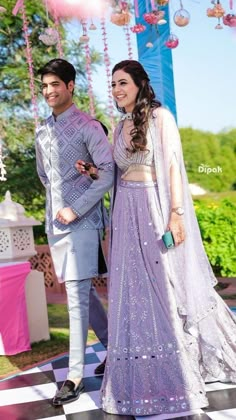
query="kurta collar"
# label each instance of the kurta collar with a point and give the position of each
(64, 114)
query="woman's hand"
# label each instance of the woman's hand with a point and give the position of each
(176, 226)
(80, 167)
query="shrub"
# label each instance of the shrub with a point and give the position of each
(218, 230)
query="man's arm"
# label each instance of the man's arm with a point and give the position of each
(100, 150)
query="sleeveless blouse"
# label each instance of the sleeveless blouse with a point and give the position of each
(124, 158)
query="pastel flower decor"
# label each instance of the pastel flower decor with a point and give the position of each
(172, 41)
(138, 29)
(152, 18)
(162, 2)
(181, 17)
(50, 36)
(217, 11)
(120, 15)
(229, 20)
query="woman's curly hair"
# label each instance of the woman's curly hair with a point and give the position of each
(145, 103)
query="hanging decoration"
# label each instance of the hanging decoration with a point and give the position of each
(88, 69)
(128, 41)
(59, 41)
(108, 71)
(182, 16)
(172, 41)
(217, 11)
(20, 6)
(229, 20)
(138, 29)
(162, 2)
(120, 14)
(154, 17)
(49, 36)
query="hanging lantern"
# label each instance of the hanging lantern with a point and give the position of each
(172, 41)
(92, 27)
(120, 15)
(149, 44)
(154, 17)
(229, 20)
(83, 38)
(137, 29)
(181, 17)
(217, 11)
(49, 36)
(162, 2)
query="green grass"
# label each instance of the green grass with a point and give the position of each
(58, 343)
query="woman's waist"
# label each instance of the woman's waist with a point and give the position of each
(137, 172)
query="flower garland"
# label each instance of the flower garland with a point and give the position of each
(128, 41)
(21, 6)
(108, 72)
(85, 39)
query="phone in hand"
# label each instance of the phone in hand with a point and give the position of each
(168, 240)
(91, 170)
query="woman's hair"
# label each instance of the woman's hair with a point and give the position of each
(145, 102)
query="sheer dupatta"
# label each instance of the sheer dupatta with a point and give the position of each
(190, 272)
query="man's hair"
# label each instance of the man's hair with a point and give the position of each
(61, 68)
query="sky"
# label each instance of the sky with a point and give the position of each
(204, 66)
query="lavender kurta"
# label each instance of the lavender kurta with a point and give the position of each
(168, 329)
(59, 144)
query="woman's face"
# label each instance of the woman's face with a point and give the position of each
(124, 90)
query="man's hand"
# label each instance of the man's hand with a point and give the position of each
(66, 216)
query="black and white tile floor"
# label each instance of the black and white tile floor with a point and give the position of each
(27, 396)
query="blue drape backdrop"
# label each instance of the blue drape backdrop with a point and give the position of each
(157, 60)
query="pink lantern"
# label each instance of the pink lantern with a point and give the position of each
(172, 41)
(153, 17)
(229, 20)
(137, 29)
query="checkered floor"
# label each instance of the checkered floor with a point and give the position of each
(27, 396)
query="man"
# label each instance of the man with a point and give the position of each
(74, 210)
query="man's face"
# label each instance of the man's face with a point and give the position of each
(57, 95)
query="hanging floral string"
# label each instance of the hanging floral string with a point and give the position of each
(85, 39)
(128, 41)
(108, 71)
(21, 6)
(59, 42)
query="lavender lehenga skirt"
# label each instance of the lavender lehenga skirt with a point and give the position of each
(152, 364)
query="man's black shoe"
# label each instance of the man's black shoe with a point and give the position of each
(100, 368)
(68, 393)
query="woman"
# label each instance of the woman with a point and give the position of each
(169, 332)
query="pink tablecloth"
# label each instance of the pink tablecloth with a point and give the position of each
(14, 330)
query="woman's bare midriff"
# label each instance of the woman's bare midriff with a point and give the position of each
(141, 173)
